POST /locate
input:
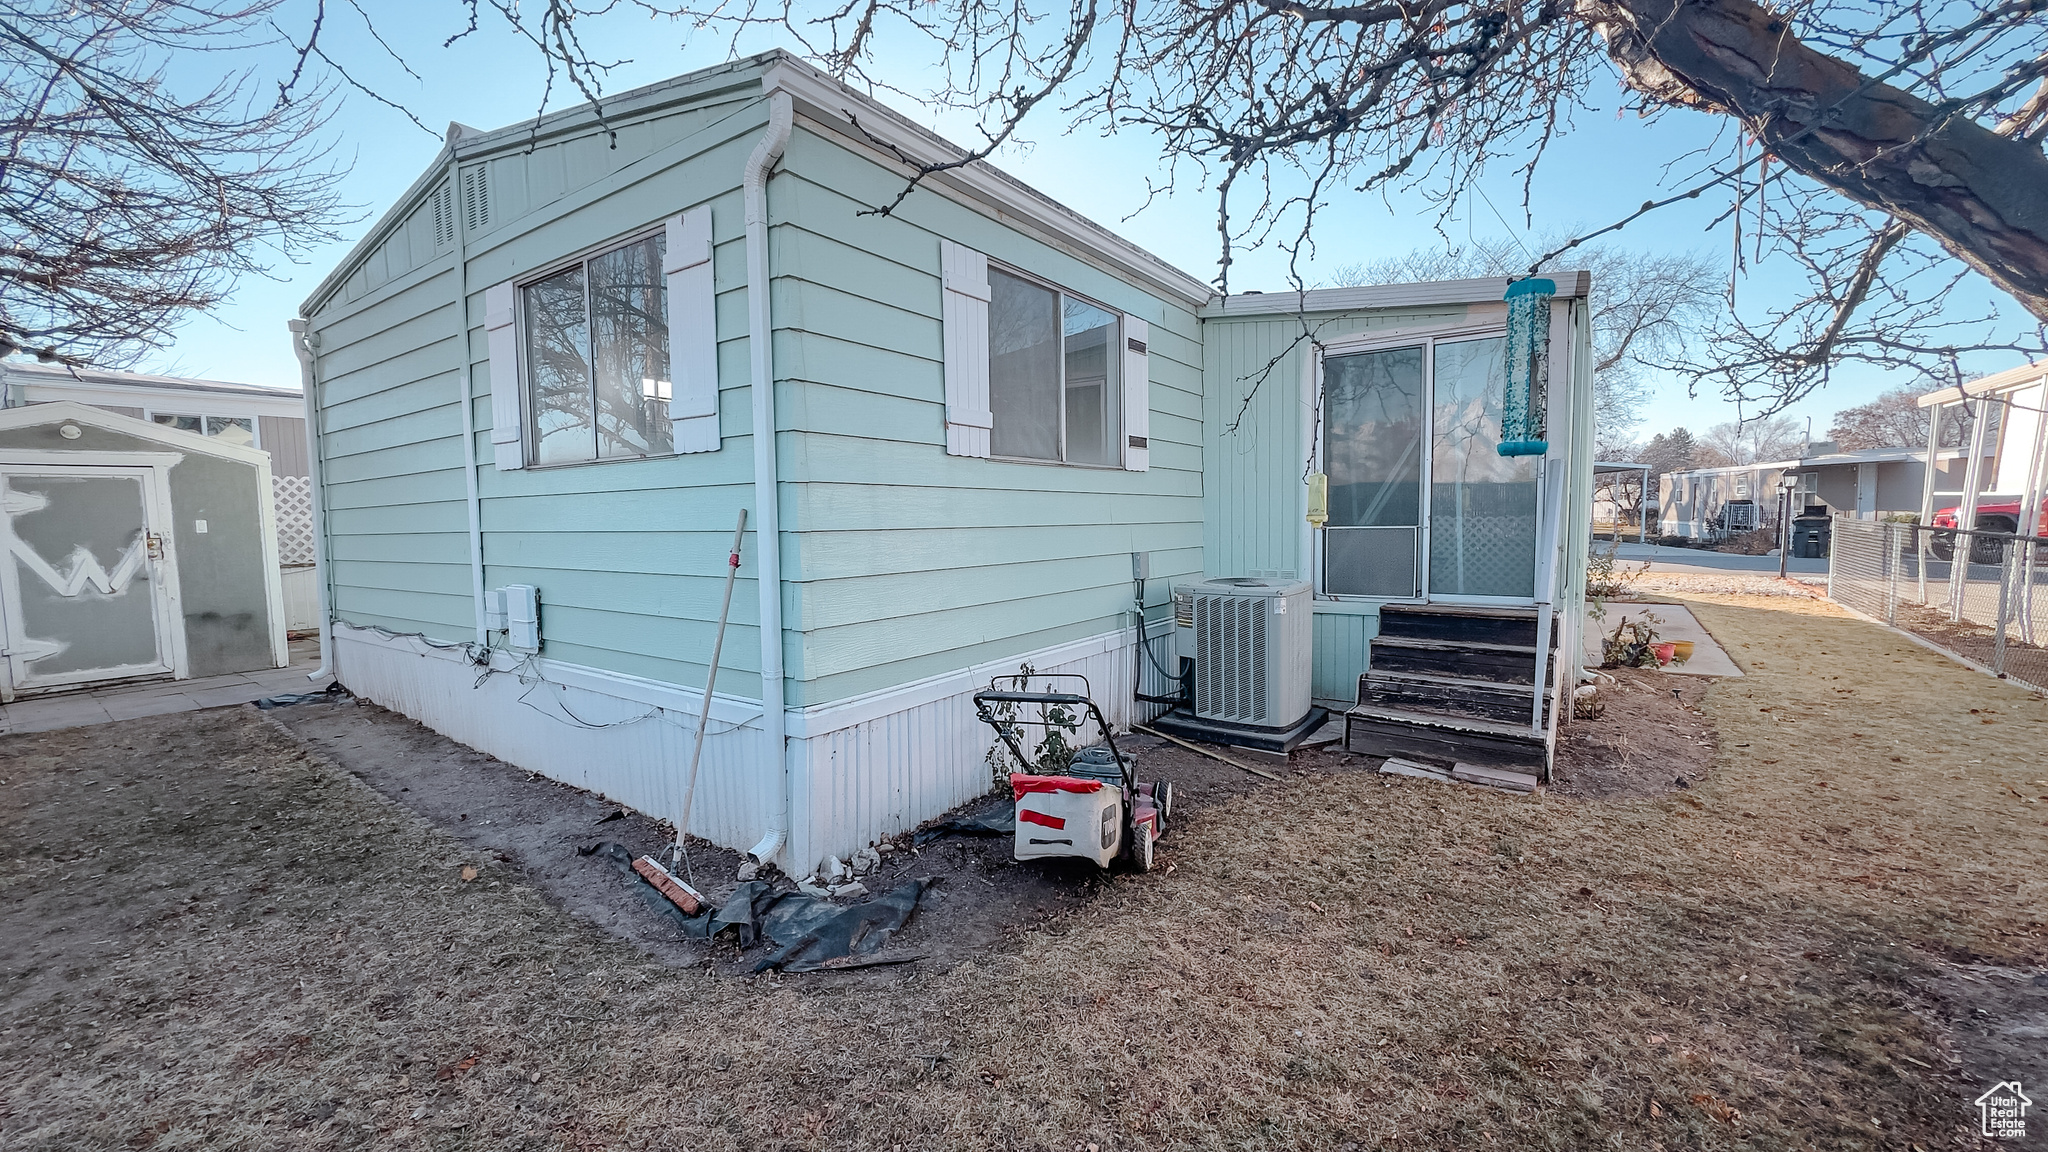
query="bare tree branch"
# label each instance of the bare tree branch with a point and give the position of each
(129, 200)
(1977, 193)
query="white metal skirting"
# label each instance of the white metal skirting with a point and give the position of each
(860, 769)
(882, 765)
(636, 758)
(301, 586)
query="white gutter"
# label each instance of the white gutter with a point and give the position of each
(767, 482)
(302, 346)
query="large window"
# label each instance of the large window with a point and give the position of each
(1053, 375)
(597, 371)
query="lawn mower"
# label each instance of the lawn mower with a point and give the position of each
(1071, 801)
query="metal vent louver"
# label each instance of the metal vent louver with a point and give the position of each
(476, 197)
(444, 215)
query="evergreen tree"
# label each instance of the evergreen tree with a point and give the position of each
(1669, 453)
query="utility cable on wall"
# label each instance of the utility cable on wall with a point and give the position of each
(527, 672)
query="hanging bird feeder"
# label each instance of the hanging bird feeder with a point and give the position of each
(1528, 368)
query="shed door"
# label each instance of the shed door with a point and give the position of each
(83, 581)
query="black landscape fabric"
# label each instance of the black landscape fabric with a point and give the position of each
(809, 934)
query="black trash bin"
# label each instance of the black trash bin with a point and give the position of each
(1810, 535)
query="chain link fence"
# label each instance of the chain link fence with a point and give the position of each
(1980, 595)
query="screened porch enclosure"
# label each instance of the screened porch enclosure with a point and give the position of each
(1422, 505)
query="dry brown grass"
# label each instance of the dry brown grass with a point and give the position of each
(1338, 959)
(1729, 584)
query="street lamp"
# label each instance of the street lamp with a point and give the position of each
(1787, 484)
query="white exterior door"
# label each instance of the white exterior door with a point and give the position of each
(87, 590)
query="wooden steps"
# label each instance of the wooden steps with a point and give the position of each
(1500, 663)
(1449, 695)
(1432, 737)
(1450, 683)
(1461, 623)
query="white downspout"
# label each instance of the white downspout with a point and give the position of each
(767, 483)
(302, 346)
(465, 390)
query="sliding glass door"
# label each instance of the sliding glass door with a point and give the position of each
(1422, 505)
(1482, 505)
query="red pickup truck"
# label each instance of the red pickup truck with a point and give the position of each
(1992, 516)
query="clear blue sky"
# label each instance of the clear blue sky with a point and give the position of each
(1599, 172)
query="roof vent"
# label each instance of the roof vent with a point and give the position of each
(476, 197)
(444, 215)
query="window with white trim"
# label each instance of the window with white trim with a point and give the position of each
(596, 354)
(232, 429)
(1034, 372)
(1053, 374)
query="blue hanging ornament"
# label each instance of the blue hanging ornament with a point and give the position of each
(1528, 368)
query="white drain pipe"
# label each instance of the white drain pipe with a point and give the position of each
(767, 481)
(464, 388)
(302, 346)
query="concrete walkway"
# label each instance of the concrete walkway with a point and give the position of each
(1673, 622)
(1665, 559)
(154, 697)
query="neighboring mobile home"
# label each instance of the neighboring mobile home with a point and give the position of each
(538, 372)
(1864, 483)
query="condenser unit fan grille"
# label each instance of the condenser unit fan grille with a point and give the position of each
(1230, 665)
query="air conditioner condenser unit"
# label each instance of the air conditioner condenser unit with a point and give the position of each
(1249, 639)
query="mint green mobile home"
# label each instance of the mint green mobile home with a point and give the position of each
(541, 393)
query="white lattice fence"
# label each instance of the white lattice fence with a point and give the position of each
(294, 497)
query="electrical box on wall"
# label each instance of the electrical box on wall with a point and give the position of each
(494, 610)
(522, 617)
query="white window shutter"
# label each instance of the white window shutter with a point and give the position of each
(964, 315)
(692, 333)
(508, 417)
(1137, 381)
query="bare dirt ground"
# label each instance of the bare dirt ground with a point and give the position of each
(1650, 738)
(1979, 642)
(984, 899)
(210, 937)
